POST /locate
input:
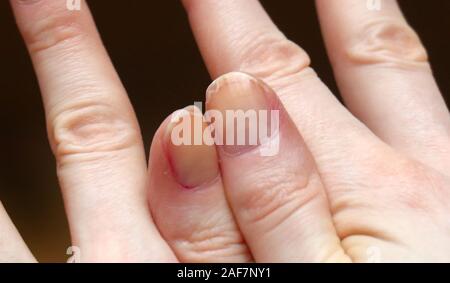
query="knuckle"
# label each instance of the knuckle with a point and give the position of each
(273, 57)
(397, 182)
(53, 30)
(421, 189)
(403, 183)
(277, 195)
(90, 126)
(211, 242)
(387, 42)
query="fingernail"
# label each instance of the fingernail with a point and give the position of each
(242, 100)
(193, 162)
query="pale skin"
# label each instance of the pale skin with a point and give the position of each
(367, 181)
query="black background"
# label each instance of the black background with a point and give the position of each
(154, 52)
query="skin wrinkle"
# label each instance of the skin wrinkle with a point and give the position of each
(277, 189)
(213, 239)
(91, 128)
(387, 41)
(332, 252)
(51, 31)
(273, 57)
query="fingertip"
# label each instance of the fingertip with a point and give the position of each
(251, 113)
(193, 162)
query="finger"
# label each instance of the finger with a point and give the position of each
(12, 247)
(187, 196)
(93, 133)
(272, 185)
(384, 76)
(238, 35)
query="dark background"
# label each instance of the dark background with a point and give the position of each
(155, 54)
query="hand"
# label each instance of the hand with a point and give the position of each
(367, 183)
(364, 175)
